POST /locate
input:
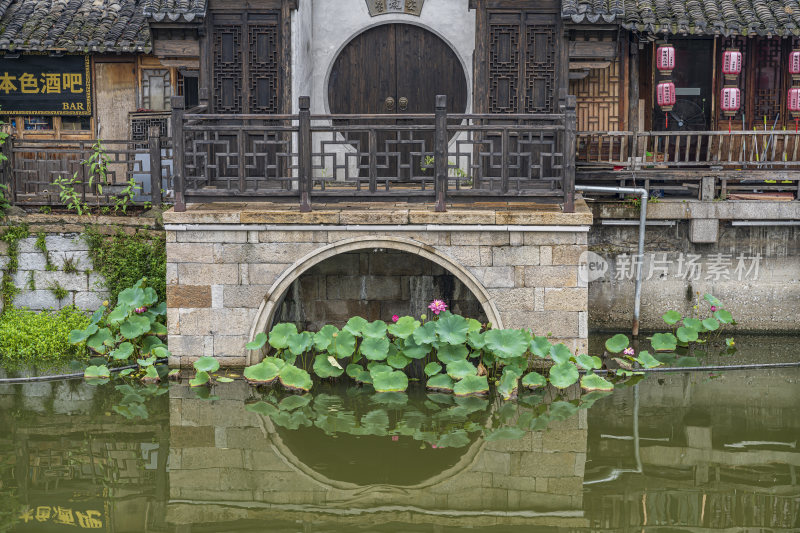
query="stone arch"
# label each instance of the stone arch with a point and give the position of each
(266, 312)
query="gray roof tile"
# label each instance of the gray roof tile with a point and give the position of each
(690, 17)
(173, 10)
(74, 25)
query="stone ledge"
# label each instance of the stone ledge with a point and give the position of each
(82, 221)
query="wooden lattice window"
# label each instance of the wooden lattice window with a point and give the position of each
(245, 52)
(522, 53)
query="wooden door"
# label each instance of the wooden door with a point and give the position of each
(396, 69)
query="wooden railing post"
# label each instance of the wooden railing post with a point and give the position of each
(570, 129)
(155, 165)
(305, 177)
(178, 147)
(440, 163)
(8, 170)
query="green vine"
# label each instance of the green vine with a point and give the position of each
(41, 245)
(124, 259)
(12, 235)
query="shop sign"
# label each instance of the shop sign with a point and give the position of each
(41, 84)
(384, 7)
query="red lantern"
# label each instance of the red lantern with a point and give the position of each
(731, 63)
(665, 59)
(665, 95)
(794, 64)
(731, 101)
(794, 102)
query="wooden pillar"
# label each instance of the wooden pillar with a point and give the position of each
(570, 126)
(633, 98)
(305, 179)
(178, 146)
(440, 153)
(155, 165)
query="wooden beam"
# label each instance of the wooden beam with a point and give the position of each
(593, 49)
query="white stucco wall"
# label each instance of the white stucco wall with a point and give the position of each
(322, 28)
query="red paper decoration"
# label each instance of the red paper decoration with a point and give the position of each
(731, 101)
(731, 63)
(665, 59)
(794, 102)
(794, 64)
(665, 95)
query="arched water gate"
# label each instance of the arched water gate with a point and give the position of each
(229, 268)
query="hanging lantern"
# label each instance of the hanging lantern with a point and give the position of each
(665, 59)
(665, 95)
(731, 101)
(794, 102)
(731, 64)
(794, 64)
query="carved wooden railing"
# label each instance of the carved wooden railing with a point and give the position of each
(438, 157)
(678, 160)
(34, 166)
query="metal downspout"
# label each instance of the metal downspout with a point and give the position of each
(643, 195)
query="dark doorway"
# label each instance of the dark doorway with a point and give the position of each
(396, 69)
(693, 86)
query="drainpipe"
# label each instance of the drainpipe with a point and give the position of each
(642, 193)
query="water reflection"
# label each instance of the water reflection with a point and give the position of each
(679, 452)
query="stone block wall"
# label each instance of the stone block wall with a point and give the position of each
(64, 243)
(226, 279)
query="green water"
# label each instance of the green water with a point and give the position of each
(675, 452)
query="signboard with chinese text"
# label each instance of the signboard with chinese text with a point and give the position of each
(384, 7)
(39, 84)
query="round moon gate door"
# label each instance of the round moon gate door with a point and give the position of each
(396, 69)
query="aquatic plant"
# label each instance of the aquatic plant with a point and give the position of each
(133, 329)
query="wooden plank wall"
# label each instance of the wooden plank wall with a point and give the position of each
(600, 95)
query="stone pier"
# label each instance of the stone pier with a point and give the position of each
(231, 266)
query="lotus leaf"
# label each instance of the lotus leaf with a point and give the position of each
(425, 334)
(223, 379)
(280, 334)
(202, 378)
(508, 385)
(363, 377)
(564, 375)
(561, 410)
(258, 342)
(262, 408)
(451, 353)
(456, 439)
(375, 348)
(124, 351)
(647, 360)
(476, 340)
(352, 370)
(375, 368)
(160, 309)
(390, 381)
(664, 342)
(398, 361)
(710, 324)
(324, 337)
(533, 380)
(149, 343)
(94, 372)
(206, 364)
(540, 346)
(687, 361)
(294, 378)
(295, 401)
(593, 382)
(79, 335)
(672, 317)
(461, 369)
(324, 369)
(376, 329)
(413, 350)
(452, 329)
(560, 353)
(712, 300)
(343, 345)
(404, 327)
(300, 343)
(356, 325)
(686, 334)
(471, 385)
(507, 343)
(431, 369)
(505, 433)
(695, 324)
(150, 361)
(134, 327)
(723, 316)
(101, 340)
(617, 343)
(119, 314)
(160, 351)
(587, 362)
(98, 315)
(152, 373)
(126, 372)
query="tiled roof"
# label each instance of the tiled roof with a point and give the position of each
(691, 17)
(74, 25)
(174, 10)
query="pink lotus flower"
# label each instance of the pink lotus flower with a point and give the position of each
(629, 351)
(141, 310)
(437, 306)
(395, 318)
(713, 308)
(434, 446)
(395, 438)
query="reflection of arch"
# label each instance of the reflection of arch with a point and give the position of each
(468, 459)
(272, 299)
